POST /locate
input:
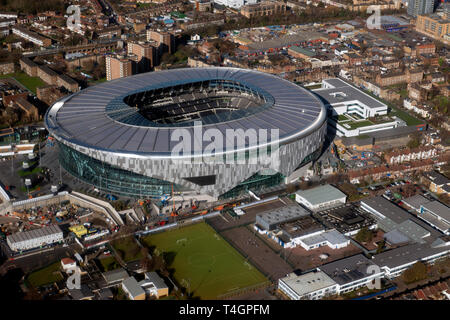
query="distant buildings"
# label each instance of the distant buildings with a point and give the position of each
(235, 4)
(31, 36)
(48, 75)
(165, 40)
(420, 7)
(435, 26)
(407, 155)
(6, 67)
(34, 238)
(439, 183)
(264, 8)
(146, 55)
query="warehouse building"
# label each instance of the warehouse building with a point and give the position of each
(394, 262)
(270, 220)
(321, 198)
(391, 217)
(437, 215)
(432, 212)
(35, 238)
(310, 286)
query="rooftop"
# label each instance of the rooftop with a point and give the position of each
(351, 93)
(437, 178)
(416, 201)
(438, 209)
(115, 275)
(321, 194)
(97, 117)
(308, 282)
(283, 214)
(348, 269)
(132, 287)
(33, 234)
(406, 254)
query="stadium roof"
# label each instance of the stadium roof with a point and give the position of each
(89, 118)
(322, 194)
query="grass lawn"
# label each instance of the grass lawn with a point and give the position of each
(205, 260)
(46, 275)
(314, 86)
(405, 116)
(93, 82)
(31, 83)
(23, 173)
(109, 263)
(128, 249)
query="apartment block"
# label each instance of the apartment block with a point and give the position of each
(266, 8)
(435, 26)
(165, 40)
(119, 67)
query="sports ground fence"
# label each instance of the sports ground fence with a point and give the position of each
(246, 256)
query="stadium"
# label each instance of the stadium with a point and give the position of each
(119, 135)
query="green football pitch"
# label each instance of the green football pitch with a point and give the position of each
(205, 264)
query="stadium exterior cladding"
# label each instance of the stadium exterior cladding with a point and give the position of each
(111, 145)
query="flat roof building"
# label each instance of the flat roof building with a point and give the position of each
(35, 238)
(436, 214)
(391, 217)
(352, 273)
(351, 108)
(397, 260)
(133, 289)
(320, 198)
(115, 277)
(310, 286)
(270, 220)
(154, 285)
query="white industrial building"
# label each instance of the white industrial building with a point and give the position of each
(35, 238)
(235, 4)
(310, 286)
(320, 198)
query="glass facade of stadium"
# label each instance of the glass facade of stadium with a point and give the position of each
(112, 179)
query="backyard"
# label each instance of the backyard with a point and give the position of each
(45, 275)
(31, 83)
